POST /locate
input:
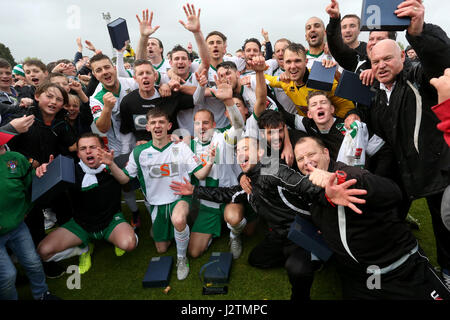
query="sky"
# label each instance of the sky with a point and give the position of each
(47, 29)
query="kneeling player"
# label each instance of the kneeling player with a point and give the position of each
(156, 164)
(97, 213)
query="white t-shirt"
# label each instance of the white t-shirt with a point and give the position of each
(120, 143)
(320, 58)
(163, 67)
(185, 117)
(225, 170)
(157, 168)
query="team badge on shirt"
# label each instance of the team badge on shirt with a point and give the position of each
(12, 166)
(96, 109)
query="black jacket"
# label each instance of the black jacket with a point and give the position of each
(348, 58)
(377, 236)
(40, 141)
(408, 124)
(277, 197)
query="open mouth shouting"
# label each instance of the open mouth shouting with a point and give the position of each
(382, 73)
(157, 132)
(313, 37)
(91, 161)
(108, 78)
(244, 163)
(35, 81)
(321, 114)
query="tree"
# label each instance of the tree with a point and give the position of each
(6, 54)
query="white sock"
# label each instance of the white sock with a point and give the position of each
(130, 200)
(235, 231)
(68, 253)
(182, 241)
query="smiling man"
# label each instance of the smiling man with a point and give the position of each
(401, 115)
(315, 36)
(135, 106)
(275, 250)
(374, 244)
(350, 25)
(156, 164)
(295, 66)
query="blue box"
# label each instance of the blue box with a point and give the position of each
(304, 234)
(379, 15)
(59, 172)
(321, 78)
(217, 270)
(158, 272)
(118, 32)
(350, 87)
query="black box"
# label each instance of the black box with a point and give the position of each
(59, 172)
(158, 272)
(304, 234)
(379, 15)
(321, 78)
(350, 87)
(217, 270)
(118, 32)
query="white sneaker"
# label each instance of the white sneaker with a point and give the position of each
(236, 246)
(49, 218)
(182, 268)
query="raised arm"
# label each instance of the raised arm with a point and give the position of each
(268, 45)
(258, 64)
(224, 92)
(193, 25)
(120, 66)
(107, 158)
(345, 56)
(430, 42)
(146, 30)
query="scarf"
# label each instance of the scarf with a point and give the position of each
(90, 180)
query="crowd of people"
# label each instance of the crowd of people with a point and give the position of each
(232, 139)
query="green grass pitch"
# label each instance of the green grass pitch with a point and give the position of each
(120, 278)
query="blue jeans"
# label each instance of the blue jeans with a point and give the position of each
(20, 242)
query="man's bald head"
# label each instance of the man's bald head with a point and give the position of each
(314, 20)
(387, 61)
(315, 32)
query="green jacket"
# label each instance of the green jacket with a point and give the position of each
(15, 196)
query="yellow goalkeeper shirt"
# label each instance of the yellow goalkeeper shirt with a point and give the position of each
(298, 96)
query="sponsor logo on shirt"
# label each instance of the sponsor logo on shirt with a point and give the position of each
(159, 171)
(140, 121)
